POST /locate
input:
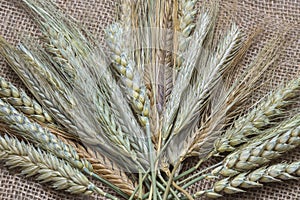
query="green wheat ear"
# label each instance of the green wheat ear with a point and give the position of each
(46, 167)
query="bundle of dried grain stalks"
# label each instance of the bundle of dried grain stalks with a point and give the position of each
(162, 91)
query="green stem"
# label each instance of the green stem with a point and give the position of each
(191, 170)
(101, 192)
(135, 191)
(162, 188)
(171, 190)
(112, 186)
(198, 173)
(139, 187)
(199, 178)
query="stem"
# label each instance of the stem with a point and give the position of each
(182, 190)
(171, 180)
(172, 191)
(137, 188)
(163, 189)
(112, 186)
(194, 181)
(140, 185)
(199, 173)
(101, 192)
(191, 170)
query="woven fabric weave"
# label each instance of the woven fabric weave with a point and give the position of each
(95, 15)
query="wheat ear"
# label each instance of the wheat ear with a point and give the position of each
(263, 149)
(21, 101)
(20, 63)
(184, 27)
(46, 167)
(126, 69)
(40, 136)
(260, 117)
(59, 36)
(198, 96)
(135, 89)
(125, 144)
(256, 178)
(228, 106)
(41, 68)
(184, 77)
(103, 166)
(88, 66)
(163, 82)
(43, 138)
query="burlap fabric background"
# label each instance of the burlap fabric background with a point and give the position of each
(272, 15)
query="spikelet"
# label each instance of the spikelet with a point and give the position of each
(185, 27)
(183, 78)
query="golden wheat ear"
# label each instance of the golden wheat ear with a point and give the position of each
(103, 167)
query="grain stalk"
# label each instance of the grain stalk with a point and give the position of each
(43, 69)
(229, 106)
(198, 95)
(46, 167)
(166, 69)
(183, 78)
(22, 64)
(41, 136)
(126, 70)
(115, 134)
(182, 83)
(91, 77)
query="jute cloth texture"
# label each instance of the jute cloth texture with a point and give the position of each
(95, 15)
